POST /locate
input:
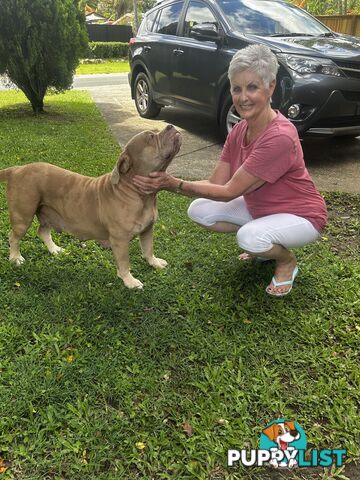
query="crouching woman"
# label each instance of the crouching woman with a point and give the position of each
(260, 189)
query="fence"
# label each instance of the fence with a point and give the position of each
(349, 24)
(109, 33)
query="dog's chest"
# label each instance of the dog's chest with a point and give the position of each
(146, 218)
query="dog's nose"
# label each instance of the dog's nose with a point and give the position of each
(294, 433)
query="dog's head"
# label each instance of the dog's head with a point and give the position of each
(148, 152)
(282, 433)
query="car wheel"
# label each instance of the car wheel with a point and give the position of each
(228, 117)
(144, 102)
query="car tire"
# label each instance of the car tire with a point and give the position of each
(228, 116)
(144, 102)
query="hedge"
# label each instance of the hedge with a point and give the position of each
(107, 50)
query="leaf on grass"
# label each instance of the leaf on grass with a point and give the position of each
(4, 465)
(187, 428)
(17, 284)
(246, 320)
(223, 421)
(70, 358)
(140, 445)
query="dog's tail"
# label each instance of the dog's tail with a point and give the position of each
(5, 174)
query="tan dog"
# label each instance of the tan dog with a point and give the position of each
(108, 208)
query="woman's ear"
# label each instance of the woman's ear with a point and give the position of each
(122, 166)
(272, 86)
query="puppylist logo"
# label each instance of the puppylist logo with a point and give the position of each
(283, 444)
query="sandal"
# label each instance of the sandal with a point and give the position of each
(280, 284)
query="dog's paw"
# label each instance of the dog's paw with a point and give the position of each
(134, 283)
(131, 282)
(55, 250)
(292, 463)
(19, 260)
(157, 262)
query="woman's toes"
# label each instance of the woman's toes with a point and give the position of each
(245, 256)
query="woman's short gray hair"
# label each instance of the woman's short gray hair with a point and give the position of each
(257, 58)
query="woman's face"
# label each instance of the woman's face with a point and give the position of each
(250, 96)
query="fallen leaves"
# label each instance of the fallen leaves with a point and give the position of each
(140, 445)
(4, 465)
(187, 428)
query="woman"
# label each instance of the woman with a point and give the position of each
(260, 188)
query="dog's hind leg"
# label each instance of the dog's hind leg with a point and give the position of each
(46, 217)
(44, 232)
(22, 210)
(16, 234)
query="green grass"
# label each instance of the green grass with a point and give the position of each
(89, 368)
(110, 66)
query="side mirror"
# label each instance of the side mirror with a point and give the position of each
(205, 31)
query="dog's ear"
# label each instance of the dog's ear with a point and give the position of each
(291, 425)
(271, 432)
(122, 166)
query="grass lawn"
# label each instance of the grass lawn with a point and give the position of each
(110, 66)
(100, 382)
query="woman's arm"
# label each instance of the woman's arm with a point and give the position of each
(242, 182)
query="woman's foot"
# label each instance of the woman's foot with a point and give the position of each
(283, 279)
(246, 257)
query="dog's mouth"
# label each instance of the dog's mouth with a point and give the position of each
(168, 157)
(283, 445)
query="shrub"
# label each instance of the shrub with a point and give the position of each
(41, 42)
(107, 50)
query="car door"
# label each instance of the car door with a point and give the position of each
(161, 42)
(196, 64)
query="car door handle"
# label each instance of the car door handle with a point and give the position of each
(178, 52)
(147, 48)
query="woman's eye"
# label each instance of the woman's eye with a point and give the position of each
(252, 88)
(236, 90)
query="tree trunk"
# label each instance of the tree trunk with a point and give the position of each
(136, 17)
(35, 98)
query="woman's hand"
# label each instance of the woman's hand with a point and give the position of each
(154, 182)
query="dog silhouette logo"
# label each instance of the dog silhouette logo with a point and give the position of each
(284, 438)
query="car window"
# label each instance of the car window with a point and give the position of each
(147, 23)
(169, 19)
(269, 17)
(150, 20)
(196, 14)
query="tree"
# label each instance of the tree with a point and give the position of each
(329, 7)
(41, 42)
(116, 8)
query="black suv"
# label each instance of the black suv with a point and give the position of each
(181, 54)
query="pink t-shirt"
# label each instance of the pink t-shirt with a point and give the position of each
(277, 158)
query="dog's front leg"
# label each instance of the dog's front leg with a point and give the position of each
(147, 248)
(120, 248)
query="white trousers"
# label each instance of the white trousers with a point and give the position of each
(259, 235)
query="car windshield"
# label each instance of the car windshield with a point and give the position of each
(269, 17)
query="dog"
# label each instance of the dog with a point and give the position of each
(282, 434)
(108, 208)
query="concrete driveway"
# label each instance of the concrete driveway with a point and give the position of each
(334, 163)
